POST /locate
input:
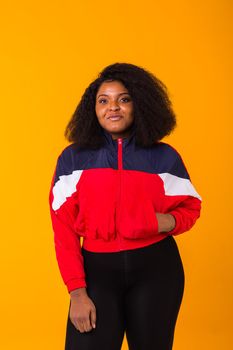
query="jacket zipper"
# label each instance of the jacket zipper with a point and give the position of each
(119, 165)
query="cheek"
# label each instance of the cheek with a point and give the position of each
(129, 111)
(98, 111)
(101, 108)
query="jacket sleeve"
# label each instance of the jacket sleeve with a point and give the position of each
(63, 210)
(183, 201)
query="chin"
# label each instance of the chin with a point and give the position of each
(116, 130)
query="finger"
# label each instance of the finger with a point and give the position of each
(87, 325)
(75, 323)
(87, 328)
(81, 327)
(93, 318)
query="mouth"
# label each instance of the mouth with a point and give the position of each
(114, 117)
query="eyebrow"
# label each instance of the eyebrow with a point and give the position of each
(122, 93)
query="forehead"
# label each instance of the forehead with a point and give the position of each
(111, 87)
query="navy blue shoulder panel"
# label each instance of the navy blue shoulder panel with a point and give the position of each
(172, 162)
(160, 158)
(72, 158)
(75, 158)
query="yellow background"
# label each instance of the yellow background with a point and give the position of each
(50, 52)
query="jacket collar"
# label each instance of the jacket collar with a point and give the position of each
(125, 140)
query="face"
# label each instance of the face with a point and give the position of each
(114, 108)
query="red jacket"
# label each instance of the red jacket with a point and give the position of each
(109, 196)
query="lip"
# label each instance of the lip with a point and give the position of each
(114, 116)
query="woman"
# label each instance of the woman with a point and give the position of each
(127, 194)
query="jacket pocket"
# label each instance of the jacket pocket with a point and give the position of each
(94, 223)
(139, 220)
(97, 202)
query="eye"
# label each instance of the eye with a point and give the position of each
(102, 100)
(126, 99)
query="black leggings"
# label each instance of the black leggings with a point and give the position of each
(136, 291)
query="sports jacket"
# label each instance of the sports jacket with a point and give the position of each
(110, 197)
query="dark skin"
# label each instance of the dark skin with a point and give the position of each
(114, 111)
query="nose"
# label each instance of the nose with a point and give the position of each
(114, 106)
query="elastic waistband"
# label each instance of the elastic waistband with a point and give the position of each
(119, 244)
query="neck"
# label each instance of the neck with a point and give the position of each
(124, 135)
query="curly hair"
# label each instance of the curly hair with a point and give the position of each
(154, 117)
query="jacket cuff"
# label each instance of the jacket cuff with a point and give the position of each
(76, 283)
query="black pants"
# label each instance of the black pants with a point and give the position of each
(135, 291)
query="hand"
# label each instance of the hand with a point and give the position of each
(82, 310)
(166, 222)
